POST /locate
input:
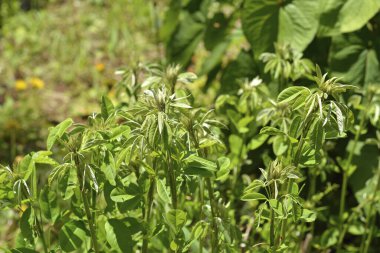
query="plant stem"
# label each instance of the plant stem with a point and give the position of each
(271, 231)
(201, 197)
(213, 204)
(148, 212)
(86, 204)
(345, 178)
(172, 182)
(214, 235)
(41, 233)
(371, 220)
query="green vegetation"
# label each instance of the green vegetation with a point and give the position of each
(265, 138)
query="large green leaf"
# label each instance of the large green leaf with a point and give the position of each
(186, 38)
(355, 57)
(119, 233)
(176, 219)
(57, 132)
(107, 107)
(216, 30)
(316, 136)
(343, 16)
(253, 196)
(162, 191)
(119, 195)
(109, 168)
(268, 21)
(199, 166)
(73, 236)
(27, 224)
(48, 203)
(171, 19)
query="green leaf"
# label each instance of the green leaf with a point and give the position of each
(170, 20)
(23, 250)
(198, 166)
(186, 38)
(289, 95)
(268, 130)
(343, 16)
(317, 135)
(280, 145)
(26, 166)
(223, 168)
(215, 57)
(160, 121)
(181, 105)
(216, 30)
(339, 118)
(106, 107)
(330, 237)
(118, 195)
(294, 130)
(253, 196)
(119, 233)
(42, 157)
(354, 60)
(257, 141)
(119, 131)
(73, 236)
(276, 206)
(57, 132)
(254, 185)
(268, 21)
(162, 191)
(27, 224)
(48, 203)
(176, 219)
(308, 215)
(109, 168)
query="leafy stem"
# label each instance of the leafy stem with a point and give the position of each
(371, 218)
(345, 177)
(148, 211)
(82, 190)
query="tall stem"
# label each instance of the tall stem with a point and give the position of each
(148, 212)
(38, 209)
(271, 229)
(371, 221)
(86, 205)
(345, 176)
(214, 235)
(213, 204)
(172, 180)
(202, 201)
(345, 172)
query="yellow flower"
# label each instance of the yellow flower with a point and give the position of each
(100, 67)
(20, 85)
(37, 83)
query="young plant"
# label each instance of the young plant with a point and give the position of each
(313, 116)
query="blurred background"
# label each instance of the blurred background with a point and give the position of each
(58, 57)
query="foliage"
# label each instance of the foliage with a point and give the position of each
(265, 152)
(155, 175)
